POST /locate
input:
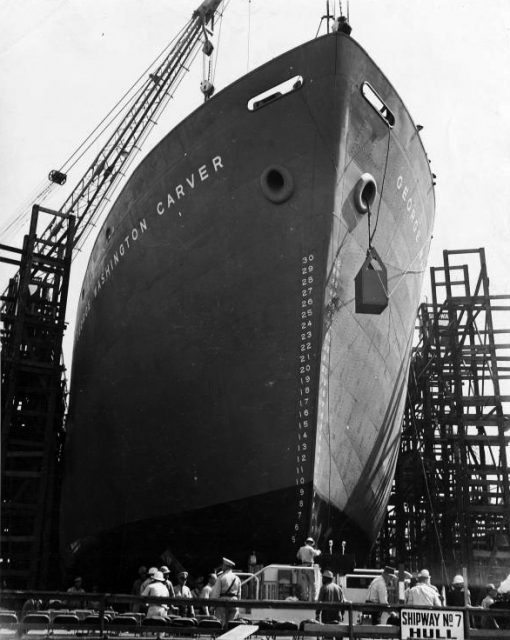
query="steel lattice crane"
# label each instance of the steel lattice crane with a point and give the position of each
(33, 317)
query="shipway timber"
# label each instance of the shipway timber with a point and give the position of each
(226, 396)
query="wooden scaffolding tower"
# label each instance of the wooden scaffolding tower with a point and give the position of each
(33, 403)
(450, 504)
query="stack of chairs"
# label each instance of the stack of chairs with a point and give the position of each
(8, 625)
(64, 624)
(35, 625)
(61, 624)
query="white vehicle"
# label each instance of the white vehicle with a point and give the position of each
(281, 582)
(355, 585)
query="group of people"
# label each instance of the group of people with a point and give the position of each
(419, 591)
(384, 590)
(156, 582)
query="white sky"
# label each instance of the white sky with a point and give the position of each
(65, 63)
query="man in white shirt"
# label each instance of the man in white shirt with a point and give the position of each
(423, 594)
(206, 591)
(148, 579)
(306, 556)
(378, 591)
(157, 588)
(307, 553)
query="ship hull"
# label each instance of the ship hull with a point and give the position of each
(225, 395)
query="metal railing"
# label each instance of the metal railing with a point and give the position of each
(109, 607)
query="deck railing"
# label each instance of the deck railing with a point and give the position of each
(111, 615)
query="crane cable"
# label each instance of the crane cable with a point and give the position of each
(91, 225)
(117, 108)
(43, 190)
(224, 7)
(249, 37)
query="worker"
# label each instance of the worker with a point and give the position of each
(183, 591)
(76, 588)
(378, 591)
(458, 595)
(136, 607)
(307, 553)
(166, 575)
(306, 556)
(199, 585)
(206, 591)
(228, 585)
(252, 562)
(423, 593)
(148, 579)
(157, 588)
(488, 622)
(329, 592)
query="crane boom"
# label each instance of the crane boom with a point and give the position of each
(90, 195)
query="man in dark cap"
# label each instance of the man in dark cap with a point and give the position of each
(76, 588)
(329, 592)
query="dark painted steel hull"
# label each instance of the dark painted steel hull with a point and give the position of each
(225, 395)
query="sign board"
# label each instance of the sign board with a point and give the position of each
(427, 624)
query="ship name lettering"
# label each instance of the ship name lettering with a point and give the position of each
(410, 208)
(184, 189)
(109, 266)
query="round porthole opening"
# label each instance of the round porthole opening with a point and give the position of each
(365, 192)
(276, 183)
(108, 233)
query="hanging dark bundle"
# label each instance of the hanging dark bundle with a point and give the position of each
(371, 285)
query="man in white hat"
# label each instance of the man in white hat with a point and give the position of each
(423, 593)
(228, 585)
(458, 595)
(307, 553)
(166, 575)
(158, 589)
(148, 579)
(306, 556)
